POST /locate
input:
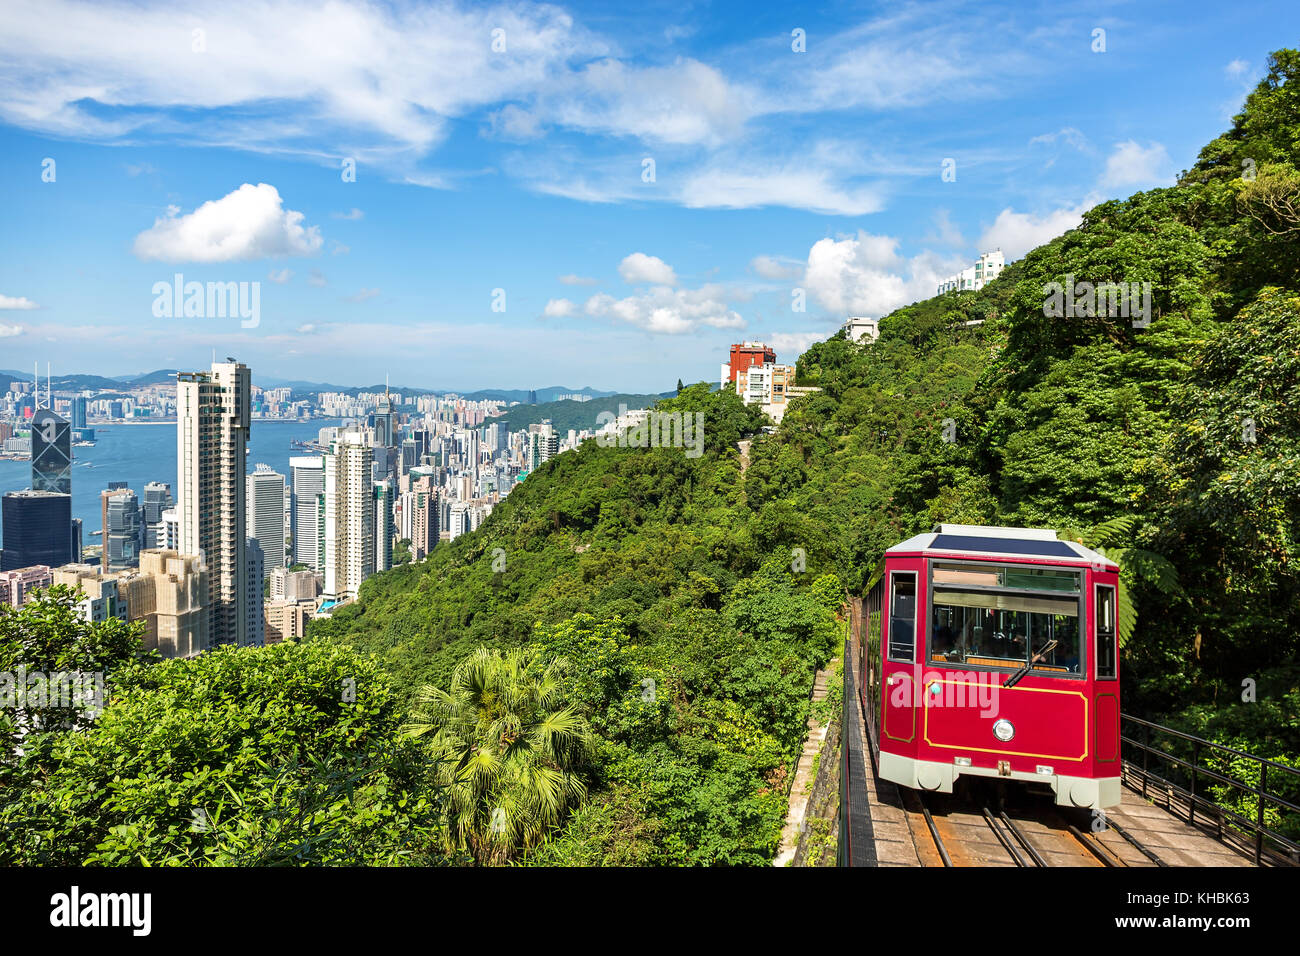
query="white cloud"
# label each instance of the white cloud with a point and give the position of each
(1236, 68)
(306, 329)
(1067, 134)
(572, 279)
(776, 269)
(686, 102)
(1015, 233)
(249, 223)
(10, 331)
(866, 275)
(668, 311)
(790, 345)
(559, 308)
(384, 79)
(804, 187)
(1131, 164)
(638, 267)
(363, 295)
(17, 302)
(513, 123)
(353, 213)
(279, 276)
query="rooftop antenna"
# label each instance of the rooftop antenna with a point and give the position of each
(49, 399)
(36, 383)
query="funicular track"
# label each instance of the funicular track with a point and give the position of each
(976, 829)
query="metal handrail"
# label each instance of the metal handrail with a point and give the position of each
(1256, 827)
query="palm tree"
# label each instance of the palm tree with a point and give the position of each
(507, 751)
(1111, 539)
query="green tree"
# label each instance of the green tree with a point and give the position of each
(508, 751)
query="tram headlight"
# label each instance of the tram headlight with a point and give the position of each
(1004, 730)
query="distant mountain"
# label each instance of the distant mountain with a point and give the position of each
(74, 382)
(159, 377)
(570, 414)
(164, 375)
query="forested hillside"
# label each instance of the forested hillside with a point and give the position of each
(1173, 445)
(652, 622)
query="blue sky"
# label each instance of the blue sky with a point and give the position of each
(505, 147)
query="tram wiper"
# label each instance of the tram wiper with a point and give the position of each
(1024, 669)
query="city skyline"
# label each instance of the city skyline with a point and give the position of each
(850, 162)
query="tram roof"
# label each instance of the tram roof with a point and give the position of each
(969, 539)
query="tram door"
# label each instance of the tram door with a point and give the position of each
(899, 692)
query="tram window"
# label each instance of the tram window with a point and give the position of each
(1107, 651)
(902, 618)
(993, 629)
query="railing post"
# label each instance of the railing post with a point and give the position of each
(1191, 804)
(1259, 813)
(1146, 756)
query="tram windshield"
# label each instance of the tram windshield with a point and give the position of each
(976, 622)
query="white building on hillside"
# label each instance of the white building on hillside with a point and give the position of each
(989, 266)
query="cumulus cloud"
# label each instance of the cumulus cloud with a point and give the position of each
(866, 275)
(279, 276)
(249, 223)
(1132, 164)
(17, 302)
(638, 267)
(668, 311)
(10, 331)
(559, 308)
(1015, 233)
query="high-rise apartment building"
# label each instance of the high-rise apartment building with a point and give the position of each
(266, 514)
(212, 420)
(308, 484)
(383, 495)
(349, 516)
(157, 500)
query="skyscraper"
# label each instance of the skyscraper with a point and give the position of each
(383, 495)
(51, 453)
(120, 512)
(349, 516)
(266, 514)
(37, 529)
(308, 478)
(212, 420)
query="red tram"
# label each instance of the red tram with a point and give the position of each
(994, 652)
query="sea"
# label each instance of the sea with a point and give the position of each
(141, 453)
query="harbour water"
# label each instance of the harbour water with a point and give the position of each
(139, 454)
